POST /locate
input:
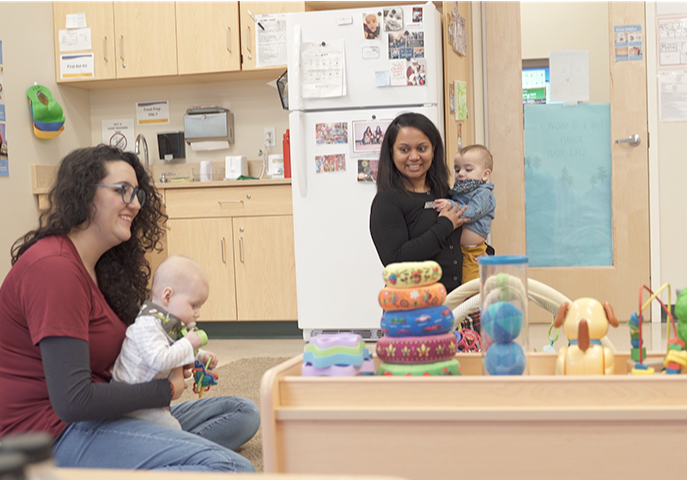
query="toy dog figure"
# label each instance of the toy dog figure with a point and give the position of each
(585, 322)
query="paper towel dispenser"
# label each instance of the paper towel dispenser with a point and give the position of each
(202, 124)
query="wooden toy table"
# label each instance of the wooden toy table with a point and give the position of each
(526, 427)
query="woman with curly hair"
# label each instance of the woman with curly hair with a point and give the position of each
(412, 174)
(76, 283)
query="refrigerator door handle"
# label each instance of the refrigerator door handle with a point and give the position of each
(295, 72)
(298, 160)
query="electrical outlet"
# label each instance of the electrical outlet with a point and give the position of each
(270, 137)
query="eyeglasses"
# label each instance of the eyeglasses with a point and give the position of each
(128, 192)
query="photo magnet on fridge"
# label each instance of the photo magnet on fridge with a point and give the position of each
(367, 170)
(330, 163)
(393, 19)
(331, 133)
(368, 134)
(371, 25)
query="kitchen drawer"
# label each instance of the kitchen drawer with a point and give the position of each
(208, 202)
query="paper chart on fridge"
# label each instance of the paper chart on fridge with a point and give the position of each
(323, 69)
(270, 40)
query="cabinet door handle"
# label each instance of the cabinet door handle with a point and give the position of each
(229, 201)
(221, 244)
(105, 48)
(250, 53)
(241, 249)
(121, 47)
(229, 39)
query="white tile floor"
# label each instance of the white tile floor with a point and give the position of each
(234, 349)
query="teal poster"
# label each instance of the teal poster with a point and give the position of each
(4, 168)
(568, 214)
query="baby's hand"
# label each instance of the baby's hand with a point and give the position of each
(195, 340)
(210, 355)
(440, 203)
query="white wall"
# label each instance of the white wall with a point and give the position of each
(27, 47)
(671, 172)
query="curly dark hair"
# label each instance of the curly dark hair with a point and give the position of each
(390, 178)
(123, 271)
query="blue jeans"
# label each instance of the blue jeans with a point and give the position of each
(212, 429)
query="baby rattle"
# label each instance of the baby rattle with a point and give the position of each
(203, 377)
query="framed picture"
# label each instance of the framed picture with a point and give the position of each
(369, 135)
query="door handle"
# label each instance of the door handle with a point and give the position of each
(632, 140)
(241, 249)
(221, 246)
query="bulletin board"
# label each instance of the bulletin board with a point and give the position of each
(457, 68)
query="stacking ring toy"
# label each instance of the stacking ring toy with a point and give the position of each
(411, 274)
(447, 367)
(395, 298)
(427, 349)
(417, 322)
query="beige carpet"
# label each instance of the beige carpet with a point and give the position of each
(241, 379)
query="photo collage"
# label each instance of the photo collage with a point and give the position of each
(405, 43)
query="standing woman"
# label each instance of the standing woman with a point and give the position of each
(412, 174)
(76, 283)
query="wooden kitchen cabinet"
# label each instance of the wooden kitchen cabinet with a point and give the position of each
(128, 39)
(265, 268)
(208, 37)
(248, 27)
(145, 39)
(243, 238)
(100, 19)
(205, 240)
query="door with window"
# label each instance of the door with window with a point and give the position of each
(578, 208)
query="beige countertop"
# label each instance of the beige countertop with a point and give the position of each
(42, 177)
(222, 183)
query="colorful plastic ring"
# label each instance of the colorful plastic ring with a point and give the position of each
(411, 274)
(417, 322)
(327, 340)
(396, 298)
(367, 368)
(446, 367)
(336, 359)
(426, 349)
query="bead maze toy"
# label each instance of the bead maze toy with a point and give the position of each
(676, 356)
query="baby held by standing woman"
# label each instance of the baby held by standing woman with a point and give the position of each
(472, 166)
(412, 175)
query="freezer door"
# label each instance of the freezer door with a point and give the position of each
(338, 271)
(410, 54)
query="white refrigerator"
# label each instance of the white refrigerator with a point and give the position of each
(347, 80)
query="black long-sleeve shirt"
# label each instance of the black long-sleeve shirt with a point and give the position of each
(403, 229)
